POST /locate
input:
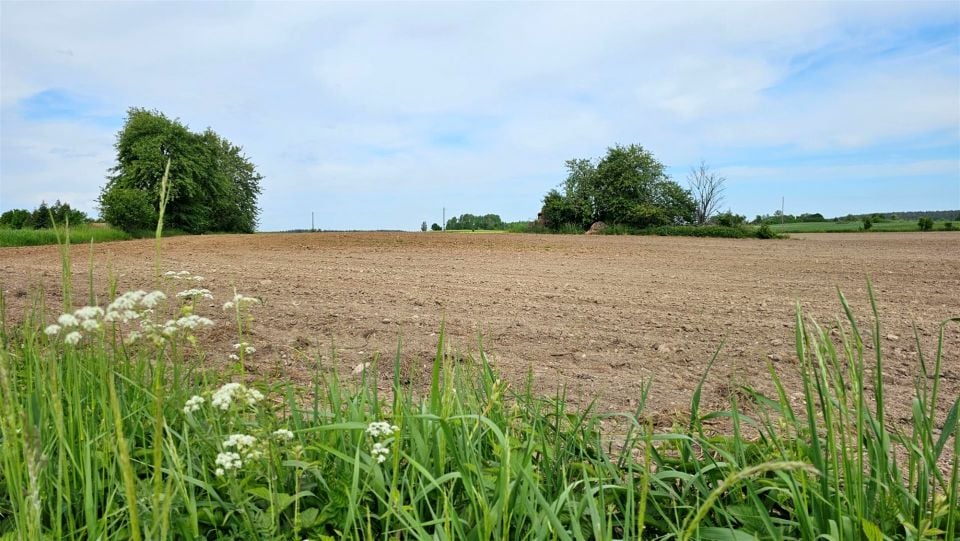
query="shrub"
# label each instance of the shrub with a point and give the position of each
(867, 224)
(948, 226)
(925, 224)
(730, 219)
(435, 227)
(765, 232)
(128, 209)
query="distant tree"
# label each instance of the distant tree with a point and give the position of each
(14, 218)
(730, 219)
(40, 217)
(706, 188)
(435, 227)
(925, 224)
(867, 223)
(423, 226)
(213, 186)
(63, 214)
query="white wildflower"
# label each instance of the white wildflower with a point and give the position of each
(68, 320)
(52, 330)
(379, 452)
(224, 397)
(193, 404)
(249, 350)
(233, 357)
(240, 441)
(228, 306)
(228, 460)
(219, 472)
(90, 325)
(194, 293)
(88, 312)
(153, 298)
(381, 429)
(253, 396)
(283, 434)
(133, 336)
(170, 273)
(73, 338)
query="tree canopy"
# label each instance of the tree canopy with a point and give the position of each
(489, 222)
(628, 186)
(43, 216)
(213, 185)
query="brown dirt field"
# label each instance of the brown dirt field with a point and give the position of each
(597, 314)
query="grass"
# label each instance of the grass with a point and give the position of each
(850, 227)
(106, 435)
(79, 235)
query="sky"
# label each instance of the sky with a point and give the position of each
(381, 115)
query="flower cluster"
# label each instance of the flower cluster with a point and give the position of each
(227, 460)
(183, 275)
(85, 319)
(245, 347)
(239, 301)
(193, 404)
(195, 293)
(228, 393)
(283, 434)
(379, 430)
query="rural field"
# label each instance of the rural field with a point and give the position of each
(598, 315)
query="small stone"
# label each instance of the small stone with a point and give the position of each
(776, 342)
(663, 348)
(384, 321)
(892, 337)
(360, 368)
(775, 357)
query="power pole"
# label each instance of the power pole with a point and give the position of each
(311, 222)
(781, 209)
(444, 228)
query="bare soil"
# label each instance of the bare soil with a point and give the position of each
(598, 315)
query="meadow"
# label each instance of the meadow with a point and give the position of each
(856, 226)
(125, 419)
(78, 235)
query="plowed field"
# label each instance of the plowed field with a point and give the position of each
(596, 314)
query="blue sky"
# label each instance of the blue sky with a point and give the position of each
(376, 116)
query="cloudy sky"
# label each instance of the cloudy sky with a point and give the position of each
(377, 116)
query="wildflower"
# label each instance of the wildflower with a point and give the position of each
(380, 429)
(219, 472)
(283, 434)
(191, 322)
(73, 338)
(133, 336)
(249, 350)
(240, 441)
(68, 320)
(195, 292)
(228, 460)
(233, 357)
(153, 298)
(224, 397)
(90, 325)
(379, 452)
(228, 306)
(52, 330)
(193, 404)
(241, 299)
(88, 312)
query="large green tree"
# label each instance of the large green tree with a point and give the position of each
(627, 186)
(213, 185)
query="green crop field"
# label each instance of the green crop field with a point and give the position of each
(851, 227)
(80, 235)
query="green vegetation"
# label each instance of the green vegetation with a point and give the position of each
(42, 217)
(626, 187)
(849, 227)
(925, 224)
(37, 237)
(719, 231)
(213, 186)
(112, 429)
(487, 222)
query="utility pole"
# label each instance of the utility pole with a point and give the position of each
(312, 228)
(781, 209)
(444, 228)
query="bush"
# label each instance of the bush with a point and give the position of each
(435, 227)
(925, 224)
(765, 232)
(128, 209)
(867, 224)
(730, 219)
(948, 226)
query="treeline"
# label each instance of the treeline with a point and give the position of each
(874, 217)
(43, 217)
(487, 222)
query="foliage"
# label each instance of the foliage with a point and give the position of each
(40, 217)
(213, 186)
(867, 224)
(128, 209)
(730, 219)
(766, 232)
(925, 224)
(706, 188)
(487, 222)
(423, 226)
(844, 227)
(435, 227)
(628, 187)
(110, 436)
(718, 231)
(948, 226)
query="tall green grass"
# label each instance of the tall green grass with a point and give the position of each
(107, 439)
(78, 235)
(855, 226)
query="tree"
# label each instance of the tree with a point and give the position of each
(730, 219)
(925, 224)
(213, 185)
(628, 186)
(40, 218)
(14, 218)
(867, 223)
(435, 227)
(128, 209)
(707, 189)
(423, 226)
